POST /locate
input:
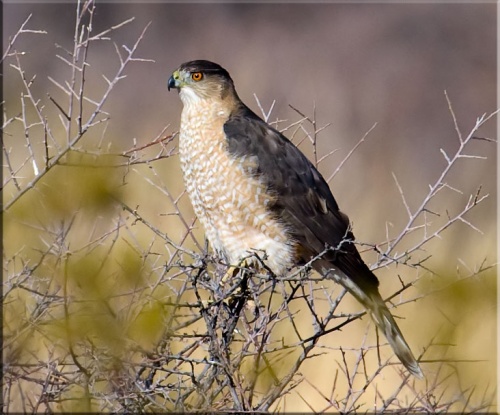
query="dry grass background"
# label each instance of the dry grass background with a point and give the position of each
(88, 282)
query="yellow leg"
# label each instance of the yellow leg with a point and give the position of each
(231, 272)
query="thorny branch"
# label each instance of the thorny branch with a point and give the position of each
(75, 113)
(434, 189)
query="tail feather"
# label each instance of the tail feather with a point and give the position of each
(371, 299)
(386, 323)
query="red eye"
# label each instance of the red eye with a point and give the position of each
(197, 76)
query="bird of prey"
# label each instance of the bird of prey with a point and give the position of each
(254, 191)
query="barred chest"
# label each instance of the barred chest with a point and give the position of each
(230, 203)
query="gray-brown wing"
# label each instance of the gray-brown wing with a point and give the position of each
(304, 201)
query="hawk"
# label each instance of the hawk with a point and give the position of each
(254, 191)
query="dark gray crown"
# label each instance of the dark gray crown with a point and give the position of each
(206, 67)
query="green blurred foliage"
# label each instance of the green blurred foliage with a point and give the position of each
(148, 326)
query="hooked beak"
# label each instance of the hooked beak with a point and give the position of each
(171, 83)
(174, 81)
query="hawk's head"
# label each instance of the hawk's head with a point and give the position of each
(198, 80)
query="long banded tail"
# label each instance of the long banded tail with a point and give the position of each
(373, 302)
(386, 323)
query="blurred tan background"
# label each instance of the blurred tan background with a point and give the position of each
(357, 65)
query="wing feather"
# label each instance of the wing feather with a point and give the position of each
(304, 200)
